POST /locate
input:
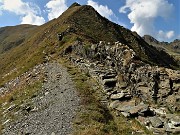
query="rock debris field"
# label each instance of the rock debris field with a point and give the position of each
(54, 109)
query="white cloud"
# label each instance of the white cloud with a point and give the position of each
(18, 7)
(1, 8)
(165, 35)
(178, 37)
(55, 8)
(29, 12)
(105, 12)
(32, 19)
(170, 34)
(142, 13)
(0, 11)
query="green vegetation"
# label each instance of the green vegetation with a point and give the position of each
(15, 63)
(29, 53)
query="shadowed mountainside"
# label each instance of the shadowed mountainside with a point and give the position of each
(172, 48)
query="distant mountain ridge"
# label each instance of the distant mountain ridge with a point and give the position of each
(152, 40)
(12, 36)
(173, 48)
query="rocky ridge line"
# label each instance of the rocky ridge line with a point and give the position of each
(133, 88)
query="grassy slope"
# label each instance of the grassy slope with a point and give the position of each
(30, 52)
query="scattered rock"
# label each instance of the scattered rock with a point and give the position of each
(160, 111)
(114, 104)
(123, 85)
(50, 113)
(156, 122)
(117, 96)
(172, 129)
(175, 121)
(141, 108)
(143, 120)
(124, 108)
(11, 107)
(124, 77)
(125, 114)
(53, 133)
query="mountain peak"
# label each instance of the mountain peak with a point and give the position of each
(89, 26)
(149, 38)
(74, 5)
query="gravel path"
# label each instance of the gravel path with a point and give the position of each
(55, 106)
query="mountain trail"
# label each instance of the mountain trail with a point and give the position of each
(54, 109)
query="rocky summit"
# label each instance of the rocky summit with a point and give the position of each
(108, 74)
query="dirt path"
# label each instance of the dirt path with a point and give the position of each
(54, 108)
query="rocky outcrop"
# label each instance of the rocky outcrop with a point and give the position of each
(132, 87)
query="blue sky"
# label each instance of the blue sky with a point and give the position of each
(159, 18)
